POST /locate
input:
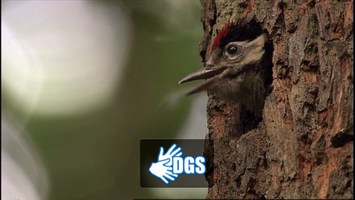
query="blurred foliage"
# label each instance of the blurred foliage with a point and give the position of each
(96, 155)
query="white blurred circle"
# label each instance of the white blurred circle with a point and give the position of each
(63, 57)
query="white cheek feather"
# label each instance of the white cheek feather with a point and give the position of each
(256, 50)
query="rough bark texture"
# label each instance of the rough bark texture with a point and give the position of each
(302, 148)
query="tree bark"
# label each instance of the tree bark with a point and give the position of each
(302, 147)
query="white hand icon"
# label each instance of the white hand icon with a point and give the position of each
(162, 171)
(169, 154)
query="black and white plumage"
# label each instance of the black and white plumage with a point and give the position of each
(234, 68)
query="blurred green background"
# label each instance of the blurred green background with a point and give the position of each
(86, 80)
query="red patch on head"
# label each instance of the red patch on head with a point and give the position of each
(220, 36)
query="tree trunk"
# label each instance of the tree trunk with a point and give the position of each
(302, 147)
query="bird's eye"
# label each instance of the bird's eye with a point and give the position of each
(232, 50)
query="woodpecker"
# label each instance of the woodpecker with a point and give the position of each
(234, 67)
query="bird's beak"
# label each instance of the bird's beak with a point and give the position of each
(204, 73)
